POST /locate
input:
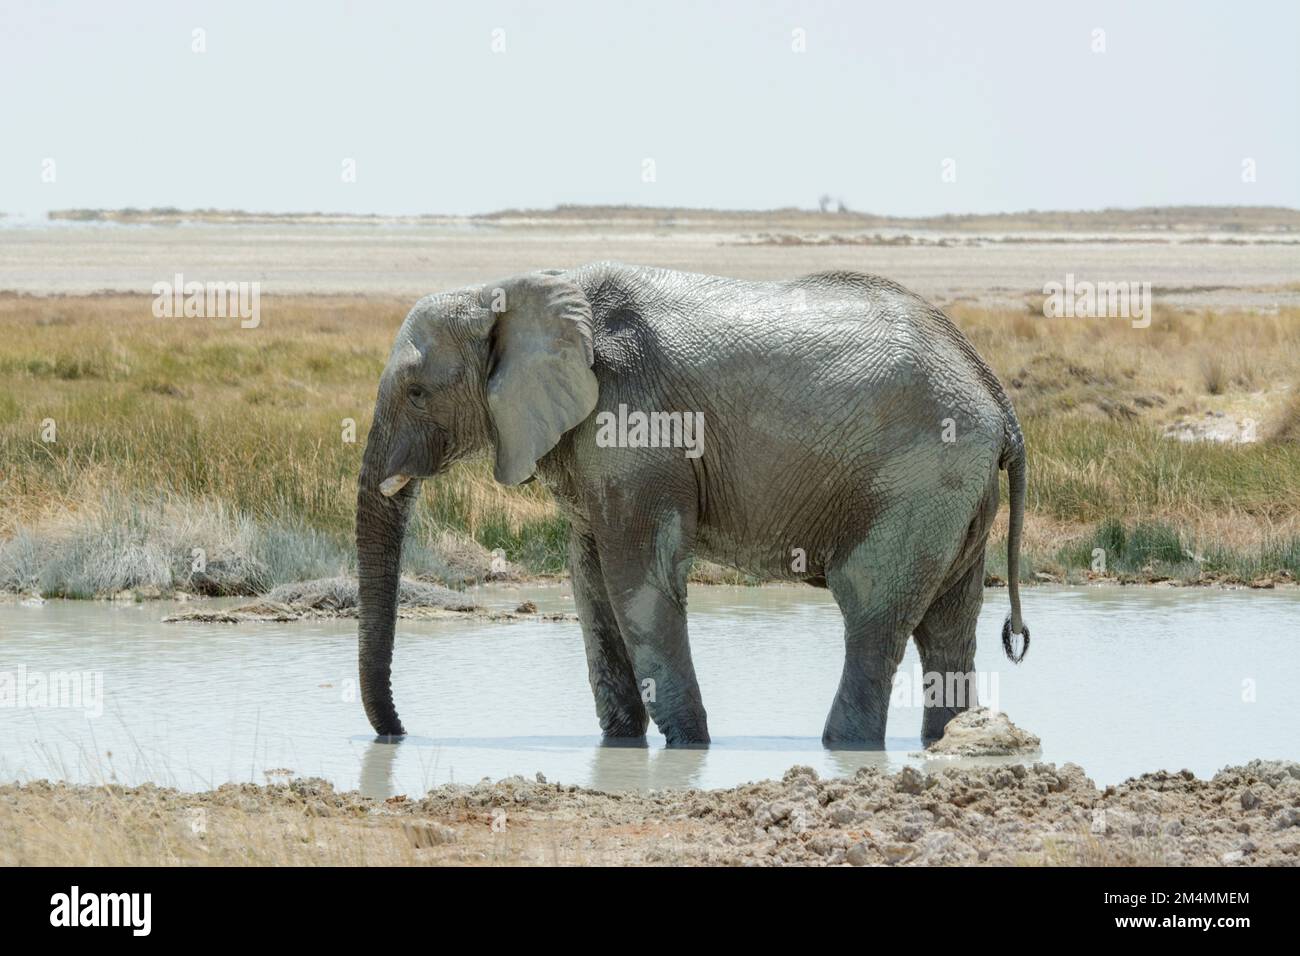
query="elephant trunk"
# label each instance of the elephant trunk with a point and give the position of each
(381, 525)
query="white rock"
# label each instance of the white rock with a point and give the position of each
(984, 733)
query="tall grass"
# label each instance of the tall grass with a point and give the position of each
(1091, 470)
(178, 434)
(1287, 426)
(162, 544)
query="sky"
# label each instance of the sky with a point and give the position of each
(895, 108)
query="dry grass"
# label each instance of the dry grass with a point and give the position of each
(522, 821)
(1287, 425)
(47, 824)
(1094, 396)
(1105, 368)
(160, 420)
(157, 418)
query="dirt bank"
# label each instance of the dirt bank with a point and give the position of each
(1193, 270)
(337, 597)
(1036, 815)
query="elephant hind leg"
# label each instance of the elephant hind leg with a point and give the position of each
(945, 636)
(882, 597)
(945, 639)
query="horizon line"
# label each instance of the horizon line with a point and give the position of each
(594, 208)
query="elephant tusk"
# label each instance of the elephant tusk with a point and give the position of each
(393, 484)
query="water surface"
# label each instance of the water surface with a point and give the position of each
(1120, 680)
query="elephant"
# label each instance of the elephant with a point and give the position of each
(850, 437)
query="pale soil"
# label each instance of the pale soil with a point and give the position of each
(337, 598)
(282, 605)
(1010, 815)
(410, 260)
(1154, 222)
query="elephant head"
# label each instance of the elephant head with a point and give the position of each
(505, 367)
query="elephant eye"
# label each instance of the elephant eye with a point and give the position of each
(416, 392)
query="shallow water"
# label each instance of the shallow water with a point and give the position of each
(1120, 680)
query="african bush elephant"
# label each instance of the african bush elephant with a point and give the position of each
(851, 439)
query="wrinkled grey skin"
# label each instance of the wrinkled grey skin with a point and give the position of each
(827, 401)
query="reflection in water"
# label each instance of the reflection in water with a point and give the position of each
(619, 766)
(377, 760)
(194, 706)
(625, 766)
(640, 768)
(845, 763)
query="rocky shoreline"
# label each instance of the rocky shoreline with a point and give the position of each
(337, 598)
(1037, 814)
(453, 604)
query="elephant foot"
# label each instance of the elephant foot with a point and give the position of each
(853, 730)
(691, 733)
(624, 723)
(849, 742)
(934, 722)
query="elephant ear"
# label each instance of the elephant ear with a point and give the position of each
(540, 382)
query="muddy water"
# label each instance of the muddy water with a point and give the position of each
(1119, 680)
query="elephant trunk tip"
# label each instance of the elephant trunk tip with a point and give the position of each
(377, 700)
(387, 723)
(1013, 625)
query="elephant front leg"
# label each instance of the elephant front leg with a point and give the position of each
(645, 576)
(619, 707)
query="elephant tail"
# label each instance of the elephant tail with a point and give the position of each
(1014, 461)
